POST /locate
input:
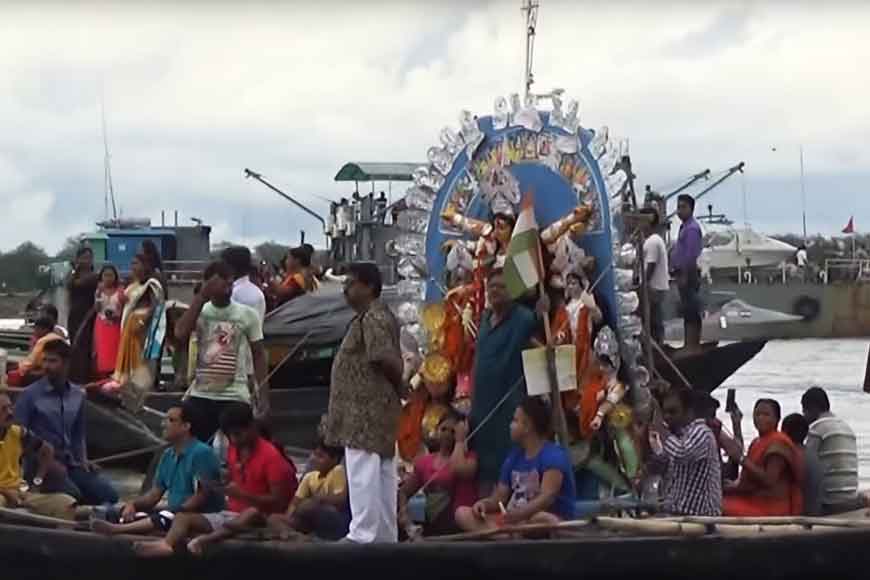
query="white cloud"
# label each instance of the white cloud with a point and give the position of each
(195, 94)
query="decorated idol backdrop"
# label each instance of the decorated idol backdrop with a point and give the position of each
(482, 170)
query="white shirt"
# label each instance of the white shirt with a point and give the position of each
(246, 292)
(654, 251)
(801, 258)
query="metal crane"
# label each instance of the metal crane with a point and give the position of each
(692, 181)
(312, 213)
(728, 173)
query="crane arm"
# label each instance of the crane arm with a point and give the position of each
(312, 213)
(731, 171)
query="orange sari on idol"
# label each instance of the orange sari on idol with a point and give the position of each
(751, 499)
(589, 382)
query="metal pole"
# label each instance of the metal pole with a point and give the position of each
(803, 195)
(312, 213)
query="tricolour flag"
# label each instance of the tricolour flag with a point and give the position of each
(523, 263)
(850, 227)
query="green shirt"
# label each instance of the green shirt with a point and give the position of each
(221, 333)
(498, 366)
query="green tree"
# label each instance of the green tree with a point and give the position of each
(271, 251)
(19, 269)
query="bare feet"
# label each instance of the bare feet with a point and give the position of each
(195, 546)
(156, 549)
(103, 527)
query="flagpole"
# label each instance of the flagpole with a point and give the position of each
(558, 413)
(803, 195)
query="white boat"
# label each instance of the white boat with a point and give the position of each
(730, 248)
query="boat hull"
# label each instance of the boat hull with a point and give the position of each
(829, 311)
(44, 553)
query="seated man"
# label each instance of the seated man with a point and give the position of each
(30, 368)
(262, 482)
(50, 310)
(53, 409)
(796, 427)
(448, 476)
(320, 506)
(183, 466)
(832, 443)
(536, 481)
(15, 442)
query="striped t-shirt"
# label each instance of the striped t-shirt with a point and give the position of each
(693, 480)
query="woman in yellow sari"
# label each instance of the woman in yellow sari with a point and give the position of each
(143, 325)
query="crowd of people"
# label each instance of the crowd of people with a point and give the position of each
(497, 466)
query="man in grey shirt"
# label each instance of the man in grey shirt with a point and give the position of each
(832, 442)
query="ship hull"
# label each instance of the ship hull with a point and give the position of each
(828, 311)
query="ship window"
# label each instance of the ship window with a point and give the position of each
(719, 239)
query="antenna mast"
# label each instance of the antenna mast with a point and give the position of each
(530, 8)
(107, 167)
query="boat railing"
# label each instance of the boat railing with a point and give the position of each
(184, 271)
(847, 270)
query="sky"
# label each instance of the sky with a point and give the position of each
(194, 94)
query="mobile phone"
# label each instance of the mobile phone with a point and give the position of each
(731, 401)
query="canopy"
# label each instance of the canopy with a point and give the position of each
(376, 171)
(324, 314)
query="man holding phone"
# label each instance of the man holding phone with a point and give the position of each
(686, 446)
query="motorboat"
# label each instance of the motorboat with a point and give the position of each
(730, 248)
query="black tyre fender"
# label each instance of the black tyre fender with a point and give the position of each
(807, 307)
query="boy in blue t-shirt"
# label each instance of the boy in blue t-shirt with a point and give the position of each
(536, 483)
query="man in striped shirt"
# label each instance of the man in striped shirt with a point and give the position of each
(832, 443)
(688, 449)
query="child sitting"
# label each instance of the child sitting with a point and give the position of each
(320, 506)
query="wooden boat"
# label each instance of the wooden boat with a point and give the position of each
(778, 551)
(709, 368)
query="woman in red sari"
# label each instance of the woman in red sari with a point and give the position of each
(771, 480)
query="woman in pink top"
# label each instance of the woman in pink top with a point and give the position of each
(446, 476)
(109, 305)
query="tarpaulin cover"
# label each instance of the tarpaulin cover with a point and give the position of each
(325, 314)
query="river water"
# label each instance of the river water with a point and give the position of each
(784, 369)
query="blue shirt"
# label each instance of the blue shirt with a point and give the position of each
(178, 474)
(498, 365)
(55, 416)
(524, 476)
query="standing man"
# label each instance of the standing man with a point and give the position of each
(655, 258)
(247, 293)
(364, 407)
(53, 409)
(802, 262)
(831, 442)
(688, 448)
(506, 328)
(223, 330)
(81, 288)
(684, 267)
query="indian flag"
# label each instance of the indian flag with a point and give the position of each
(522, 264)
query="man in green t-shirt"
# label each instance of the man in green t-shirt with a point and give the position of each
(222, 328)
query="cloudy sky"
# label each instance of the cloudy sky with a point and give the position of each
(293, 90)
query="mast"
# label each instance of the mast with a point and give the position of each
(107, 170)
(530, 8)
